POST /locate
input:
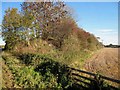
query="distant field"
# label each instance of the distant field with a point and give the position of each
(105, 62)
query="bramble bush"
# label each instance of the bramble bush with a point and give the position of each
(47, 74)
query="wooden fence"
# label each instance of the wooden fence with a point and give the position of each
(90, 81)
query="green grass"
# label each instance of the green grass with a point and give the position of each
(47, 73)
(28, 76)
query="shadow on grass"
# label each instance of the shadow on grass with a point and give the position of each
(61, 72)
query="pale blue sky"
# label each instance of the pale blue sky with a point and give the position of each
(99, 18)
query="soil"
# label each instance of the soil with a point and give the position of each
(105, 62)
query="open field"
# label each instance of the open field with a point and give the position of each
(105, 62)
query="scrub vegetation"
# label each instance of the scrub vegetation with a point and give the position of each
(41, 41)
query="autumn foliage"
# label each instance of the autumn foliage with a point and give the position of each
(50, 22)
(42, 40)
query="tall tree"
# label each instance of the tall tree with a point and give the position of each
(50, 21)
(28, 26)
(48, 18)
(10, 25)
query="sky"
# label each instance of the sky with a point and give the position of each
(98, 18)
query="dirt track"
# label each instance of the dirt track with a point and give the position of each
(105, 61)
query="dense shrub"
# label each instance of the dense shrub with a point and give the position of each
(61, 72)
(47, 74)
(26, 77)
(35, 46)
(33, 59)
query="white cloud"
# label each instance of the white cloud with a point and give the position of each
(105, 30)
(107, 36)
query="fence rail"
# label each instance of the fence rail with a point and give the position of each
(86, 78)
